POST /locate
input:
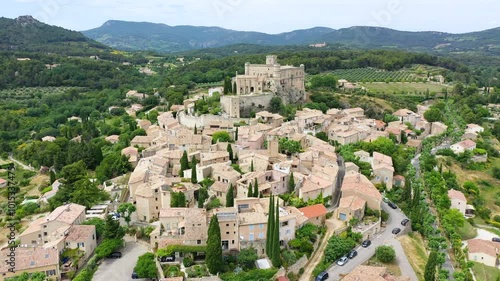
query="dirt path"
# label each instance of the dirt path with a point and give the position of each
(331, 226)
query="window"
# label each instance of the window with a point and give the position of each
(232, 242)
(227, 224)
(198, 242)
(45, 234)
(261, 226)
(284, 223)
(227, 232)
(39, 235)
(261, 235)
(288, 231)
(251, 227)
(93, 237)
(225, 245)
(251, 237)
(33, 242)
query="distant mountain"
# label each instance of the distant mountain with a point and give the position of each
(26, 34)
(164, 38)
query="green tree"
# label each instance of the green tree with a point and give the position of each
(276, 256)
(385, 253)
(126, 210)
(107, 247)
(337, 247)
(194, 178)
(276, 105)
(247, 258)
(146, 266)
(52, 176)
(250, 190)
(221, 136)
(433, 115)
(112, 229)
(230, 196)
(236, 134)
(431, 266)
(195, 129)
(322, 136)
(230, 151)
(184, 163)
(252, 169)
(227, 86)
(178, 200)
(202, 196)
(213, 259)
(256, 188)
(291, 183)
(100, 226)
(270, 223)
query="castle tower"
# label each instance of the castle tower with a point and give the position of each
(247, 68)
(271, 60)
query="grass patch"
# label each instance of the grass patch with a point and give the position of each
(467, 231)
(414, 248)
(405, 87)
(485, 273)
(392, 267)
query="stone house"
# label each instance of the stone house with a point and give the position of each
(483, 251)
(462, 146)
(458, 200)
(31, 260)
(350, 207)
(315, 214)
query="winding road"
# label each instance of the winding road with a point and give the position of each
(20, 164)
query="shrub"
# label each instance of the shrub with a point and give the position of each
(187, 261)
(385, 254)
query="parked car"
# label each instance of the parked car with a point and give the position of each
(322, 276)
(115, 255)
(396, 230)
(166, 259)
(366, 243)
(343, 260)
(352, 254)
(135, 275)
(495, 239)
(392, 205)
(405, 222)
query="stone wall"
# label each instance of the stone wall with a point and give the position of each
(201, 121)
(302, 262)
(254, 103)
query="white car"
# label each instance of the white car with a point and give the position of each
(343, 260)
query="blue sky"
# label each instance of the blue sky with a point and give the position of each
(271, 16)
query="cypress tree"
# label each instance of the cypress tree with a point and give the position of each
(261, 195)
(184, 163)
(430, 267)
(236, 135)
(270, 220)
(230, 150)
(250, 190)
(276, 256)
(195, 130)
(291, 183)
(52, 177)
(251, 167)
(214, 260)
(256, 189)
(230, 196)
(194, 178)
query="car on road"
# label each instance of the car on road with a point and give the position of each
(405, 222)
(366, 243)
(392, 205)
(495, 239)
(135, 275)
(396, 230)
(343, 260)
(115, 255)
(322, 276)
(352, 254)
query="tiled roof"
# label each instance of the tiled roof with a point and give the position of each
(314, 211)
(455, 194)
(483, 246)
(80, 233)
(31, 258)
(66, 213)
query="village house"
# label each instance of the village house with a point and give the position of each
(49, 138)
(142, 141)
(31, 260)
(135, 94)
(229, 225)
(269, 182)
(461, 147)
(474, 128)
(406, 115)
(314, 186)
(382, 167)
(458, 200)
(113, 139)
(483, 251)
(315, 214)
(350, 207)
(268, 118)
(356, 184)
(438, 128)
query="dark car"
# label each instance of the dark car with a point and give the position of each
(495, 239)
(166, 259)
(115, 255)
(135, 275)
(352, 254)
(322, 276)
(366, 243)
(405, 222)
(396, 230)
(392, 205)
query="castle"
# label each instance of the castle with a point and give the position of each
(263, 81)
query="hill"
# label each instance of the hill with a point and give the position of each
(164, 38)
(26, 34)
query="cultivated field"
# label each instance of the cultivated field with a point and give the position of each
(402, 87)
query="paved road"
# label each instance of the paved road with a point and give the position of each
(386, 237)
(20, 164)
(338, 184)
(120, 269)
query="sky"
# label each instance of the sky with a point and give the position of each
(270, 16)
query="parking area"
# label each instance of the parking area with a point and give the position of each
(122, 268)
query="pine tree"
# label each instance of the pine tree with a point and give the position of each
(251, 167)
(230, 150)
(193, 170)
(430, 267)
(230, 196)
(214, 259)
(270, 220)
(250, 190)
(256, 189)
(406, 195)
(291, 183)
(184, 163)
(276, 255)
